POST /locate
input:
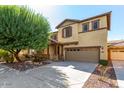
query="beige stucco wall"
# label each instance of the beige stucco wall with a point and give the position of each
(45, 51)
(77, 27)
(103, 23)
(51, 53)
(93, 38)
(96, 38)
(74, 36)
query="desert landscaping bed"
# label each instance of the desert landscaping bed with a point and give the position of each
(23, 66)
(97, 80)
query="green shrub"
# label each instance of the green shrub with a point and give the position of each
(38, 58)
(103, 62)
(6, 56)
(3, 53)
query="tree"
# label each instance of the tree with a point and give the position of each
(22, 28)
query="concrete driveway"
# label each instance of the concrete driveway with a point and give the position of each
(119, 70)
(56, 74)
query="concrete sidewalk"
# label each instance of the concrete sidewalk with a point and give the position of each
(119, 70)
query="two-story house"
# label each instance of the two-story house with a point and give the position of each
(81, 40)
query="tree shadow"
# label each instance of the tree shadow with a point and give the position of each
(42, 77)
(49, 77)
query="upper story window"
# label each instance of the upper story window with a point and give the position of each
(85, 27)
(95, 25)
(67, 32)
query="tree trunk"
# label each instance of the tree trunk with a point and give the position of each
(16, 56)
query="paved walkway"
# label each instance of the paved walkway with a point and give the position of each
(56, 74)
(119, 70)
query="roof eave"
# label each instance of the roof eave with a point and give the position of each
(108, 14)
(73, 20)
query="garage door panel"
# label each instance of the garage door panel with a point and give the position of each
(86, 54)
(117, 54)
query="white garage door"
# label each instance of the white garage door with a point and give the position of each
(82, 54)
(117, 54)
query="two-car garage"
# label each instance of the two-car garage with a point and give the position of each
(116, 50)
(84, 54)
(117, 54)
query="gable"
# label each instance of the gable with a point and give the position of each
(67, 22)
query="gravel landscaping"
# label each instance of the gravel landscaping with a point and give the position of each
(23, 66)
(96, 80)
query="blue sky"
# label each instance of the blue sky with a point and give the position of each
(56, 14)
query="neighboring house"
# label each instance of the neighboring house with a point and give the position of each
(81, 40)
(116, 50)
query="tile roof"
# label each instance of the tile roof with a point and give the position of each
(116, 43)
(73, 20)
(78, 21)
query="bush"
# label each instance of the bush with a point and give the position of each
(6, 56)
(26, 55)
(3, 53)
(38, 58)
(103, 62)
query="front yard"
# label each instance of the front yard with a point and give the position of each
(61, 75)
(102, 77)
(54, 75)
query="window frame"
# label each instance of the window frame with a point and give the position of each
(66, 32)
(93, 22)
(85, 25)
